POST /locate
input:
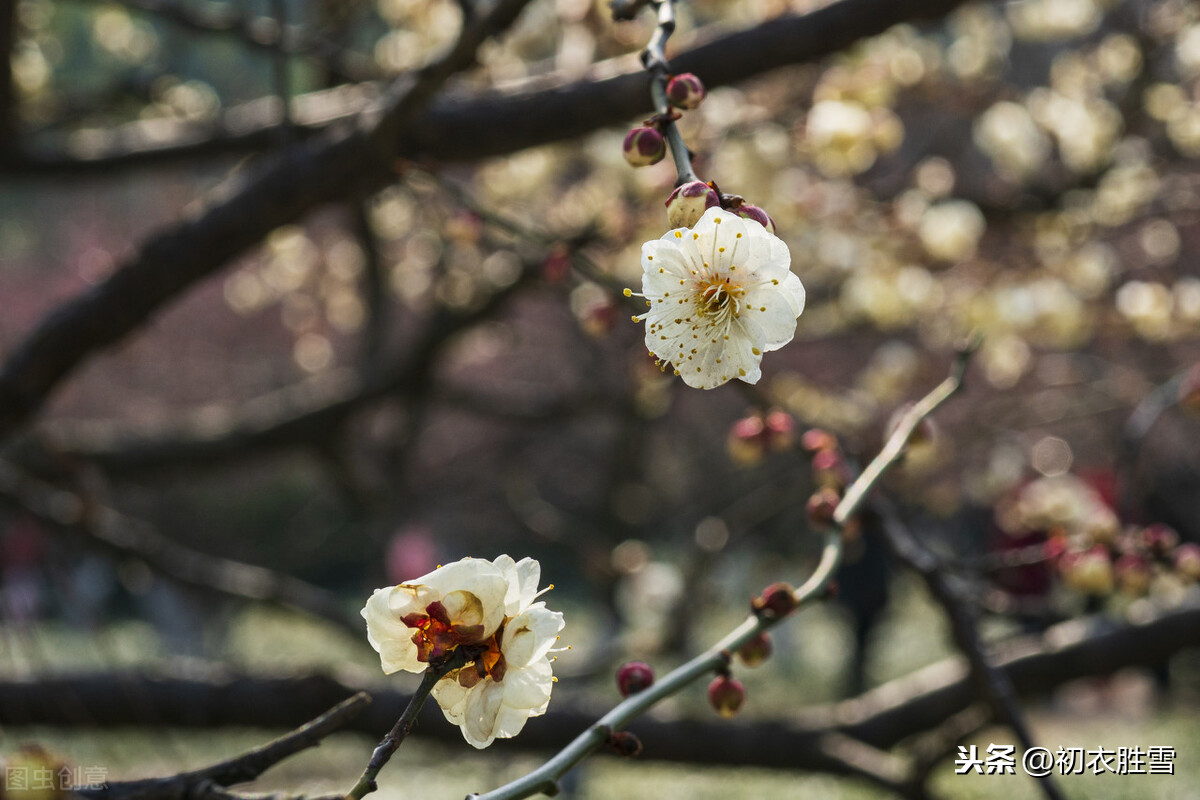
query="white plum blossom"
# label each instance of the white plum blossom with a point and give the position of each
(488, 607)
(720, 294)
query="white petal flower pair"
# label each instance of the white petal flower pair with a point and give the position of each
(488, 606)
(720, 294)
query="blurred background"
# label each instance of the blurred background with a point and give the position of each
(445, 366)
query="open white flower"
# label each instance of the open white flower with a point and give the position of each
(487, 606)
(720, 294)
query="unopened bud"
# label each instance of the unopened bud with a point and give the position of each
(624, 743)
(1187, 560)
(688, 202)
(726, 695)
(781, 429)
(644, 146)
(1133, 575)
(633, 677)
(756, 651)
(821, 506)
(1159, 539)
(685, 91)
(815, 439)
(747, 211)
(777, 600)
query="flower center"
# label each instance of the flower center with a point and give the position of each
(436, 635)
(719, 299)
(490, 661)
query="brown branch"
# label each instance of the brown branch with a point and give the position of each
(240, 769)
(115, 533)
(312, 411)
(881, 718)
(990, 681)
(308, 175)
(548, 111)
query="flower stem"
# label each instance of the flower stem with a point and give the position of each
(408, 718)
(654, 58)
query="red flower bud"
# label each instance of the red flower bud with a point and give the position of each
(777, 600)
(685, 91)
(624, 743)
(644, 146)
(747, 211)
(1187, 560)
(726, 695)
(756, 651)
(1159, 539)
(822, 505)
(633, 677)
(815, 439)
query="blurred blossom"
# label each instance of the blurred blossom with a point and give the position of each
(1187, 50)
(1159, 240)
(982, 41)
(1007, 134)
(313, 353)
(840, 134)
(951, 230)
(1124, 191)
(1085, 128)
(1046, 20)
(1005, 359)
(1147, 307)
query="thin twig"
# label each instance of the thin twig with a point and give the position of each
(395, 737)
(654, 58)
(245, 767)
(545, 778)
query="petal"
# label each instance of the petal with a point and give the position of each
(452, 698)
(529, 688)
(479, 717)
(390, 637)
(530, 635)
(523, 578)
(775, 309)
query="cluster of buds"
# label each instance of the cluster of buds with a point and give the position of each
(754, 435)
(830, 473)
(646, 145)
(1129, 563)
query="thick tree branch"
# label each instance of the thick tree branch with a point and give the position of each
(496, 123)
(308, 175)
(117, 534)
(240, 769)
(990, 681)
(882, 717)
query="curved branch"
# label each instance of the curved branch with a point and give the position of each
(307, 176)
(501, 122)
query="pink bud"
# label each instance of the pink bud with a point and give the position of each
(685, 91)
(1187, 560)
(1133, 575)
(747, 211)
(822, 505)
(644, 146)
(815, 439)
(688, 202)
(726, 695)
(633, 677)
(777, 600)
(756, 651)
(1159, 539)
